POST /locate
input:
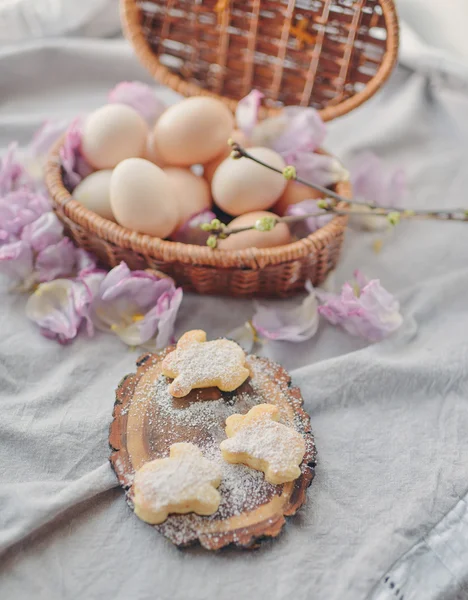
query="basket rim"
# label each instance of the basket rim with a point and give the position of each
(130, 19)
(188, 254)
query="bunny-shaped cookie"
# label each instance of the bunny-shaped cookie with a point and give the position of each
(196, 363)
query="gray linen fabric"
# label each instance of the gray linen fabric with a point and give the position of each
(390, 419)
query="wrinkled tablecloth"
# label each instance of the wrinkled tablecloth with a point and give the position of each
(390, 419)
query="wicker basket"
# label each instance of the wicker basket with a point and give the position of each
(330, 54)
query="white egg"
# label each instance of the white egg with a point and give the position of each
(112, 134)
(94, 193)
(242, 185)
(143, 199)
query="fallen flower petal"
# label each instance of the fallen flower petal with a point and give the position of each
(34, 156)
(364, 309)
(304, 131)
(57, 260)
(59, 308)
(91, 280)
(191, 233)
(16, 262)
(84, 262)
(135, 305)
(245, 336)
(139, 96)
(295, 324)
(20, 208)
(247, 112)
(373, 183)
(46, 136)
(43, 232)
(295, 129)
(168, 308)
(303, 228)
(321, 169)
(12, 173)
(74, 166)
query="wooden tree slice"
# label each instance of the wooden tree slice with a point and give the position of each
(148, 420)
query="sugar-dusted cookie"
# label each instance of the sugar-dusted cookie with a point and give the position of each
(260, 442)
(185, 482)
(196, 363)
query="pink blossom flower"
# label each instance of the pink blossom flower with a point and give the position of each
(304, 228)
(163, 316)
(304, 131)
(295, 129)
(61, 307)
(138, 306)
(295, 134)
(18, 209)
(373, 183)
(91, 278)
(20, 262)
(321, 169)
(245, 335)
(365, 309)
(34, 156)
(46, 136)
(32, 242)
(84, 262)
(16, 262)
(56, 260)
(12, 173)
(247, 111)
(74, 165)
(190, 232)
(43, 232)
(295, 324)
(139, 96)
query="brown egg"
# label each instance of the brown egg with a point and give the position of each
(193, 131)
(192, 192)
(242, 185)
(295, 192)
(278, 236)
(210, 168)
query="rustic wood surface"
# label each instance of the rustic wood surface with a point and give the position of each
(139, 433)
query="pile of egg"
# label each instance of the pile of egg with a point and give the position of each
(144, 179)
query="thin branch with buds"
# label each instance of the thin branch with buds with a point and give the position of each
(332, 203)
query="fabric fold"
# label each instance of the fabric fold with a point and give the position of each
(27, 506)
(435, 567)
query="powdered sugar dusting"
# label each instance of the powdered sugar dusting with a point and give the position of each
(200, 418)
(198, 364)
(125, 477)
(281, 447)
(185, 477)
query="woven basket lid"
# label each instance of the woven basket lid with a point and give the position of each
(329, 54)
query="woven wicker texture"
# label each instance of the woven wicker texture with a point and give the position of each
(280, 271)
(329, 54)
